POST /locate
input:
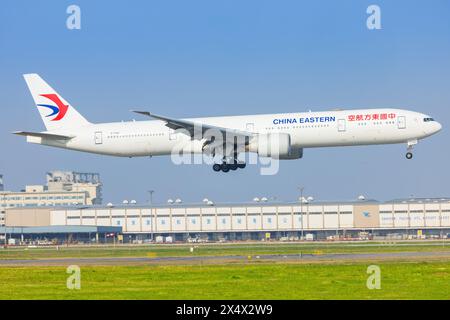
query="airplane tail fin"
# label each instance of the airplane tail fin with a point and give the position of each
(56, 113)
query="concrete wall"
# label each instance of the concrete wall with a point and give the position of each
(212, 219)
(29, 217)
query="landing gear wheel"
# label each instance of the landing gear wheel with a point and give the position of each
(225, 167)
(409, 155)
(241, 165)
(216, 167)
(233, 166)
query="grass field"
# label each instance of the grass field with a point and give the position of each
(219, 249)
(246, 281)
(253, 279)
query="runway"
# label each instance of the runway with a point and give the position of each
(270, 258)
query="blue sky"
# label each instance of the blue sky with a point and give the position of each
(207, 58)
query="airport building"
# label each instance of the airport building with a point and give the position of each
(400, 219)
(63, 188)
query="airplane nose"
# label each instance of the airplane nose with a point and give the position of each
(439, 126)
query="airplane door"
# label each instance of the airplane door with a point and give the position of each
(98, 137)
(342, 125)
(402, 122)
(250, 127)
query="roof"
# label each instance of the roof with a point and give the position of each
(243, 204)
(59, 229)
(221, 204)
(420, 200)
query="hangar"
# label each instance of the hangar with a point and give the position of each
(244, 221)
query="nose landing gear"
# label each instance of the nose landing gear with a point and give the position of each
(411, 144)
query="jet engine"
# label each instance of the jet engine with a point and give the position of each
(275, 145)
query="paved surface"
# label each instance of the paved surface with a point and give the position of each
(399, 256)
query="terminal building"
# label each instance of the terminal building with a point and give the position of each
(63, 188)
(402, 219)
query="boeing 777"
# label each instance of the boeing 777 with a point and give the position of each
(280, 136)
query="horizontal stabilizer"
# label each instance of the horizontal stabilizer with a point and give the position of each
(43, 135)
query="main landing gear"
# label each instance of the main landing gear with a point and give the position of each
(225, 167)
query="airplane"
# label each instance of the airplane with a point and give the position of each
(281, 136)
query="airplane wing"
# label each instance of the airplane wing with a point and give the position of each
(43, 135)
(227, 133)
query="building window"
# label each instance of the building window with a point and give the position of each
(147, 222)
(193, 221)
(208, 221)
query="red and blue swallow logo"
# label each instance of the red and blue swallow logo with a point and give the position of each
(59, 110)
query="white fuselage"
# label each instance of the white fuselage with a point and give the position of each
(307, 130)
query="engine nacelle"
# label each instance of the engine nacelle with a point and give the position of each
(274, 145)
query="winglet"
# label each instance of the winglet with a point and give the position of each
(154, 116)
(145, 113)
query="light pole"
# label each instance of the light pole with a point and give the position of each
(3, 195)
(151, 196)
(152, 211)
(301, 207)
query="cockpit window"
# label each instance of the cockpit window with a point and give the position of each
(428, 119)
